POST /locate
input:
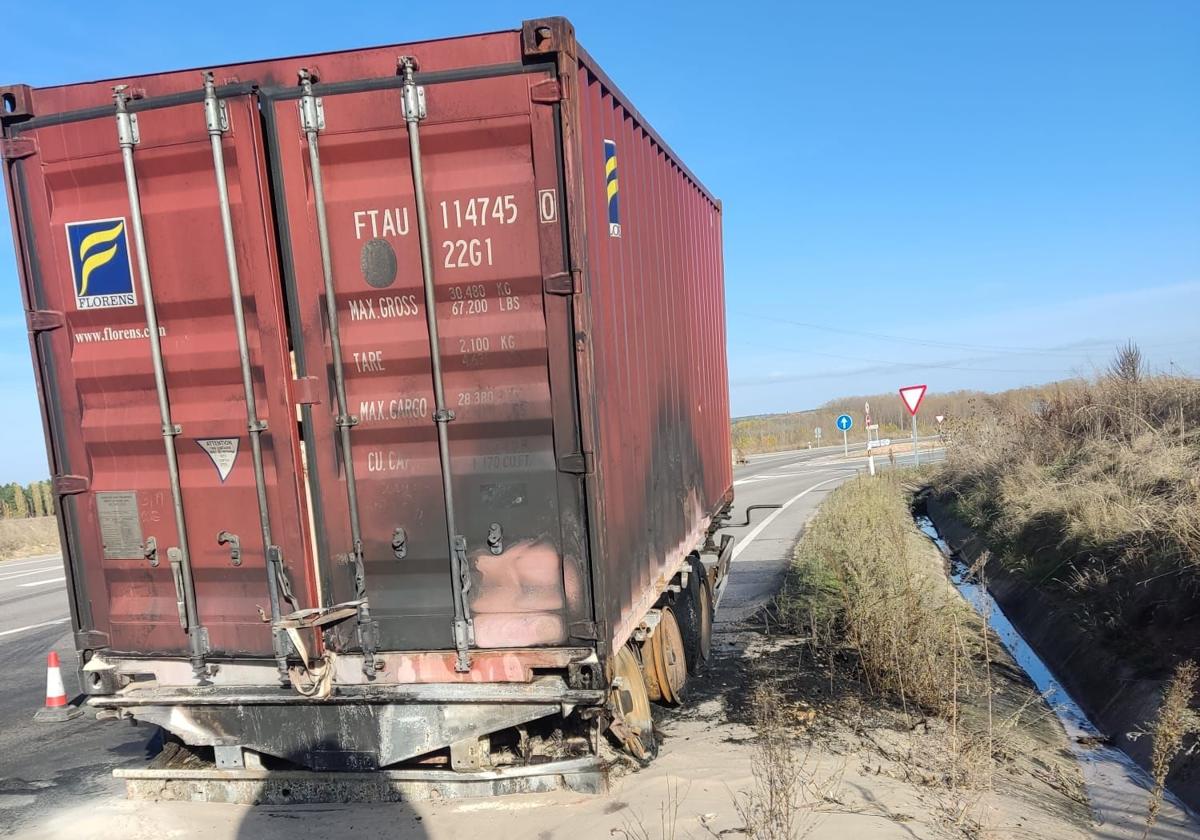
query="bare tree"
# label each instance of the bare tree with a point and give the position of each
(1128, 366)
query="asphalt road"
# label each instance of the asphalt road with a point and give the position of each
(45, 767)
(799, 481)
(45, 764)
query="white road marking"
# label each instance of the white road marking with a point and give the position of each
(33, 626)
(51, 558)
(758, 529)
(42, 582)
(24, 561)
(44, 571)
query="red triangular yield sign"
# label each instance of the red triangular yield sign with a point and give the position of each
(912, 396)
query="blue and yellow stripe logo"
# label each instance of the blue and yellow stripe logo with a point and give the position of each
(100, 264)
(613, 187)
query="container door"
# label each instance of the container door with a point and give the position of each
(94, 354)
(492, 193)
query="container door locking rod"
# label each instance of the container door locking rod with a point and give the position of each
(217, 121)
(127, 138)
(460, 573)
(312, 120)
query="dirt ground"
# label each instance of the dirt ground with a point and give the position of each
(28, 537)
(868, 771)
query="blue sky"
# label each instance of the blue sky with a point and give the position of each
(973, 195)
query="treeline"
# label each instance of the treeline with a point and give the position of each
(26, 501)
(796, 430)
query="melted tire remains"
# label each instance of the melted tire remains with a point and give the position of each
(694, 609)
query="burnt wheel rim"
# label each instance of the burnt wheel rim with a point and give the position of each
(672, 659)
(706, 619)
(633, 703)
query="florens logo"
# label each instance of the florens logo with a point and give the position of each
(100, 264)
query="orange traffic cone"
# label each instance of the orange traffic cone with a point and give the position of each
(57, 708)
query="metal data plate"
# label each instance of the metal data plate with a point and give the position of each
(120, 528)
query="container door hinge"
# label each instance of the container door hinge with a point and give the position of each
(562, 283)
(70, 485)
(150, 551)
(584, 630)
(548, 92)
(85, 639)
(15, 148)
(44, 320)
(577, 463)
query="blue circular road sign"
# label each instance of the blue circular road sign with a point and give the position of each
(845, 422)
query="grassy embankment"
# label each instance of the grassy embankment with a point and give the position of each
(27, 537)
(1092, 493)
(870, 592)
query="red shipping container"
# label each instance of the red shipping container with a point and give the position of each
(530, 516)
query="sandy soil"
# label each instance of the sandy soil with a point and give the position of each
(870, 771)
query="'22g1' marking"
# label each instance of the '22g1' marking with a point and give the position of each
(467, 253)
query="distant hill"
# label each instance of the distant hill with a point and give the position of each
(796, 430)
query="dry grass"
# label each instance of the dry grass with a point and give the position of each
(1174, 725)
(786, 799)
(868, 587)
(1114, 462)
(1092, 490)
(24, 537)
(859, 576)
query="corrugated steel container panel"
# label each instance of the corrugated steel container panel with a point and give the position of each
(578, 287)
(656, 297)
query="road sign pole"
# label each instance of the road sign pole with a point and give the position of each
(912, 395)
(845, 444)
(867, 429)
(916, 454)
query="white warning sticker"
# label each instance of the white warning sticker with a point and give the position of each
(223, 452)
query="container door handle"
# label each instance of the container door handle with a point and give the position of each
(413, 99)
(128, 137)
(175, 556)
(312, 122)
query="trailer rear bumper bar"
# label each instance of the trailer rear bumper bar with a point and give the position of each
(249, 786)
(367, 728)
(552, 690)
(111, 673)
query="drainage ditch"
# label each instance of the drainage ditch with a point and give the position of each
(1116, 786)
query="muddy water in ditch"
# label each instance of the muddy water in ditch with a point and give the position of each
(1116, 786)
